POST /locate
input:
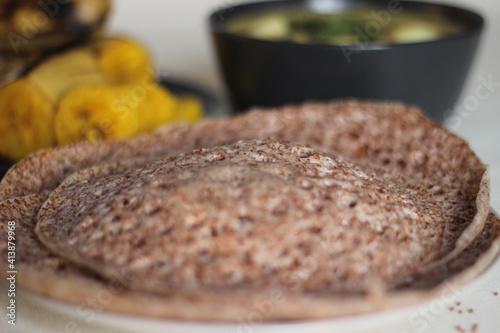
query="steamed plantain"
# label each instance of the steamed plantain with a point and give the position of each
(105, 89)
(61, 73)
(95, 112)
(155, 108)
(124, 61)
(26, 119)
(188, 109)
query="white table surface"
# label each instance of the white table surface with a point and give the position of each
(176, 33)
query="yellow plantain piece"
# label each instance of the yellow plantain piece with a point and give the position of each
(104, 89)
(189, 109)
(124, 61)
(95, 112)
(26, 119)
(155, 107)
(63, 72)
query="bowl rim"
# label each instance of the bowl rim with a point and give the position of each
(217, 23)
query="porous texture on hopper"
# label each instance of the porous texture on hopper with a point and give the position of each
(408, 203)
(245, 215)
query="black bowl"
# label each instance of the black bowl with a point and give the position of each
(266, 73)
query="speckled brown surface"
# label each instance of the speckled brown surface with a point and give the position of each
(45, 274)
(382, 139)
(246, 215)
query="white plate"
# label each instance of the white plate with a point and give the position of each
(470, 309)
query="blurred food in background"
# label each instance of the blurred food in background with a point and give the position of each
(273, 53)
(346, 28)
(69, 85)
(31, 29)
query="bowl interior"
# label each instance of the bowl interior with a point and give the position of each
(470, 22)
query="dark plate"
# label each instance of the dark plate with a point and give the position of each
(213, 106)
(4, 166)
